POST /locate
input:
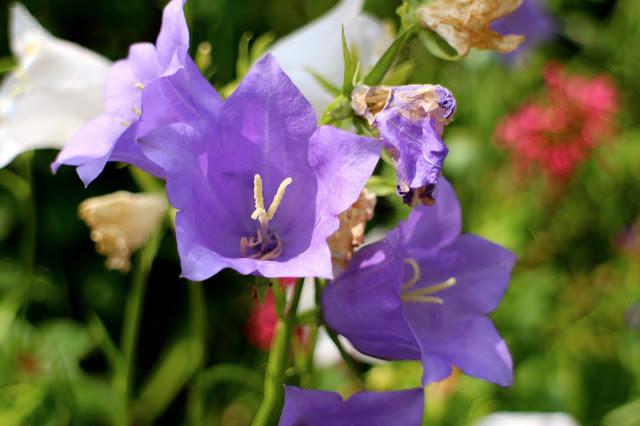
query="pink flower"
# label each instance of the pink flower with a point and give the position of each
(559, 130)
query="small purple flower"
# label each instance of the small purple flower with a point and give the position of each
(424, 293)
(411, 121)
(112, 135)
(304, 407)
(259, 187)
(532, 20)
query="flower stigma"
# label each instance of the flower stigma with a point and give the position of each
(424, 294)
(265, 245)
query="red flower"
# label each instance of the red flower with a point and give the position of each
(559, 130)
(261, 323)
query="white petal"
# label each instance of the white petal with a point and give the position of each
(318, 46)
(527, 419)
(57, 87)
(23, 30)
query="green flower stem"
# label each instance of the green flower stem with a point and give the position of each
(28, 248)
(198, 305)
(334, 338)
(134, 307)
(274, 378)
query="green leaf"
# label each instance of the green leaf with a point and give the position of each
(244, 59)
(626, 415)
(7, 64)
(399, 75)
(172, 372)
(385, 62)
(326, 84)
(260, 45)
(437, 46)
(382, 186)
(351, 67)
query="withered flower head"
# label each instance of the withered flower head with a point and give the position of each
(121, 223)
(411, 120)
(466, 23)
(351, 232)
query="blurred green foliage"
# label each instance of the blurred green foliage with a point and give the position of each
(565, 317)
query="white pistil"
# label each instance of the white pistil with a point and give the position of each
(416, 274)
(260, 213)
(424, 295)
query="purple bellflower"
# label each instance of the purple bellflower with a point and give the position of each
(258, 186)
(424, 293)
(532, 20)
(411, 121)
(320, 408)
(112, 135)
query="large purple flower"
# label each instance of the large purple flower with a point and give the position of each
(532, 20)
(259, 187)
(424, 293)
(319, 408)
(411, 121)
(112, 135)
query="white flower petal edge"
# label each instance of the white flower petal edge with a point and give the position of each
(56, 87)
(318, 46)
(527, 419)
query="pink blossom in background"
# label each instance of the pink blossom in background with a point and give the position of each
(559, 130)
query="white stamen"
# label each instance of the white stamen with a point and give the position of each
(260, 214)
(139, 85)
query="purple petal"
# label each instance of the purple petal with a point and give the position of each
(429, 227)
(269, 111)
(417, 148)
(450, 337)
(120, 94)
(143, 60)
(173, 39)
(532, 20)
(341, 160)
(363, 304)
(318, 408)
(90, 147)
(185, 96)
(482, 270)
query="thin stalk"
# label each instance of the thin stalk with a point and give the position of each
(353, 368)
(198, 305)
(274, 378)
(28, 248)
(134, 307)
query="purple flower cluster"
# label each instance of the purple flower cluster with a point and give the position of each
(259, 187)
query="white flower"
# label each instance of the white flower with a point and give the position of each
(527, 419)
(318, 46)
(56, 87)
(121, 223)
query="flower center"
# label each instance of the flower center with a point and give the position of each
(424, 294)
(265, 245)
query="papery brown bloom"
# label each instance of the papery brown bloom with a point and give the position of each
(466, 23)
(351, 232)
(121, 223)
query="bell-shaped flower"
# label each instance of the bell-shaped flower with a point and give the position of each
(467, 23)
(424, 293)
(532, 20)
(319, 408)
(317, 48)
(259, 188)
(112, 135)
(411, 121)
(121, 223)
(56, 87)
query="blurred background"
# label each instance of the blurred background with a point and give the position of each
(571, 316)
